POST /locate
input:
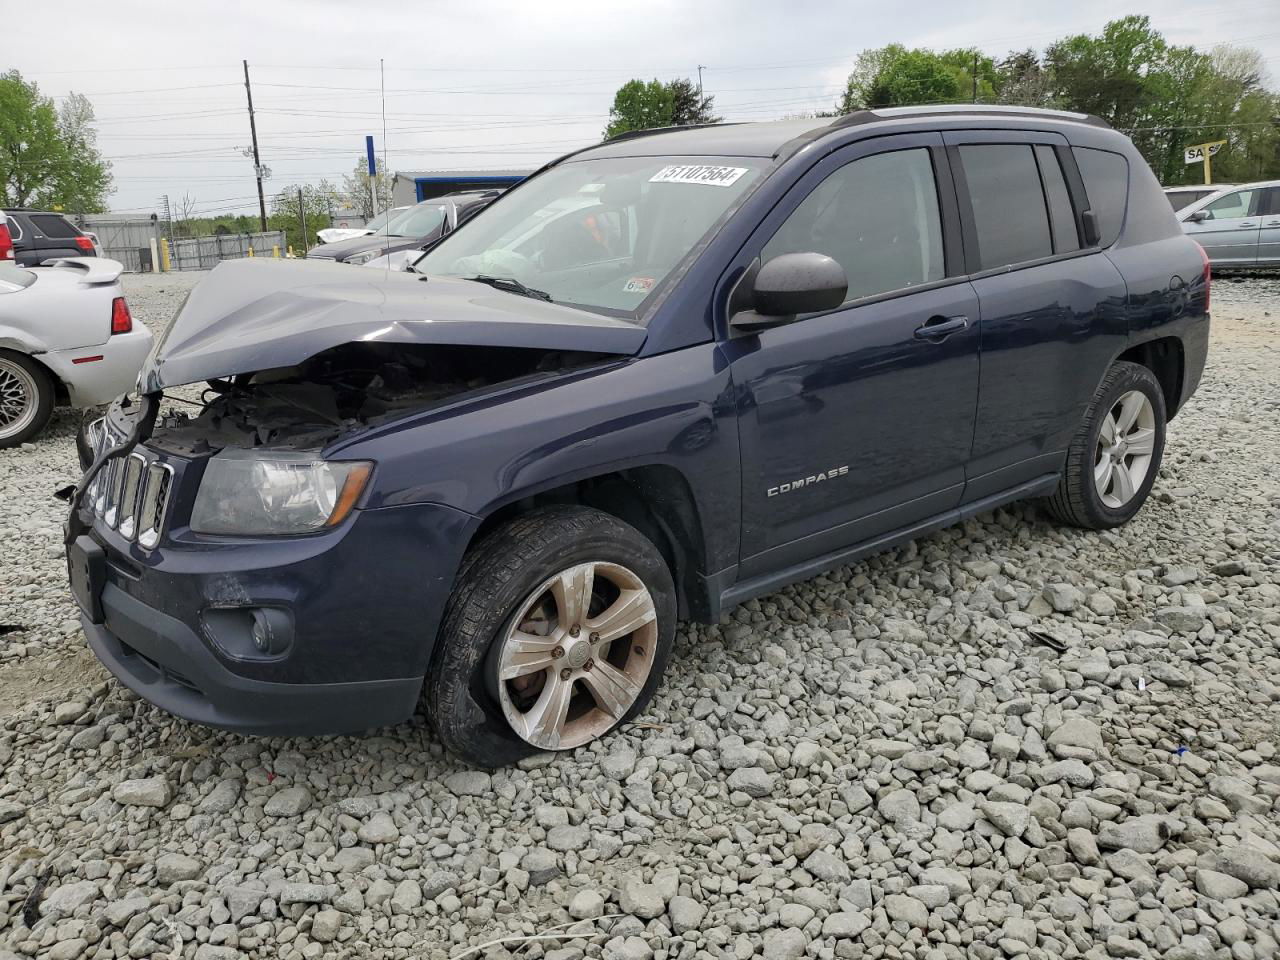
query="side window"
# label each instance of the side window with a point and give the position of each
(1233, 206)
(1270, 205)
(877, 217)
(1009, 211)
(1062, 216)
(1106, 181)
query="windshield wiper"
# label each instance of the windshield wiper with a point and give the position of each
(512, 285)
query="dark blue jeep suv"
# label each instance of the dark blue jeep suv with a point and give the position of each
(662, 376)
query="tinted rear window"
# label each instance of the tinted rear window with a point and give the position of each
(1008, 203)
(53, 226)
(1106, 181)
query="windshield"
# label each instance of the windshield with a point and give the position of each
(417, 221)
(377, 224)
(600, 234)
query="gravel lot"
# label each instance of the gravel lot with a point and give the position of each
(885, 761)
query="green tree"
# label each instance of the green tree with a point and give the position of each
(356, 193)
(1107, 75)
(49, 158)
(640, 106)
(1023, 80)
(688, 106)
(894, 76)
(315, 207)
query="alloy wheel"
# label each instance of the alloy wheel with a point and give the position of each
(18, 399)
(1125, 446)
(577, 656)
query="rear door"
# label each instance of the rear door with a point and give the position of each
(1269, 231)
(1229, 228)
(1052, 310)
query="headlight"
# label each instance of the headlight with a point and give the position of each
(360, 259)
(250, 492)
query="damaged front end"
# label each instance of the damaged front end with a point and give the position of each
(267, 365)
(217, 544)
(344, 390)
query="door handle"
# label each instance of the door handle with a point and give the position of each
(1246, 226)
(939, 328)
(1273, 223)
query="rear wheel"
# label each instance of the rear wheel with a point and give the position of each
(1113, 459)
(26, 398)
(559, 630)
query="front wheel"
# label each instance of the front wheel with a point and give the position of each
(1114, 457)
(559, 631)
(26, 398)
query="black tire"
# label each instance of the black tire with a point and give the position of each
(43, 396)
(495, 578)
(1077, 500)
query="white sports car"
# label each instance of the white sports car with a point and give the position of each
(65, 336)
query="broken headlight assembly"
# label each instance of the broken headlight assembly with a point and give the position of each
(276, 493)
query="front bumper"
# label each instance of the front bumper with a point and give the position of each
(360, 605)
(163, 661)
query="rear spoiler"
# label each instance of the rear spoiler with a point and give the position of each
(95, 269)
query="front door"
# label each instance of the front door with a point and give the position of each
(1229, 229)
(858, 421)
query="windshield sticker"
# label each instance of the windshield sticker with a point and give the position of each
(638, 285)
(698, 173)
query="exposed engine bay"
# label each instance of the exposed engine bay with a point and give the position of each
(347, 388)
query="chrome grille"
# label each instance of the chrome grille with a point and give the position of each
(130, 493)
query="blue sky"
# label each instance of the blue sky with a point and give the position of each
(485, 84)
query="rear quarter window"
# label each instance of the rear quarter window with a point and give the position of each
(1106, 181)
(53, 226)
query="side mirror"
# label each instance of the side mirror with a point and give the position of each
(1092, 235)
(1200, 216)
(786, 286)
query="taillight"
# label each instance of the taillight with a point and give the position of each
(121, 321)
(84, 243)
(6, 242)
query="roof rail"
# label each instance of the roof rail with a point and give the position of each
(874, 114)
(650, 131)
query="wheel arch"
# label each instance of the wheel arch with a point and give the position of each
(1165, 357)
(61, 393)
(656, 499)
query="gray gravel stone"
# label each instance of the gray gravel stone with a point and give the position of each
(173, 867)
(151, 792)
(289, 802)
(907, 909)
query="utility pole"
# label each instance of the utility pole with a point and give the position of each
(257, 160)
(701, 67)
(302, 218)
(975, 76)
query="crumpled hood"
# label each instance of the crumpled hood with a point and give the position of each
(257, 314)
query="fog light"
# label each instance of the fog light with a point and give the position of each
(249, 633)
(261, 632)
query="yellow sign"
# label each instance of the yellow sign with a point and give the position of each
(1202, 153)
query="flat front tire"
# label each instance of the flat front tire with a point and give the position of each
(1115, 455)
(26, 398)
(559, 630)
